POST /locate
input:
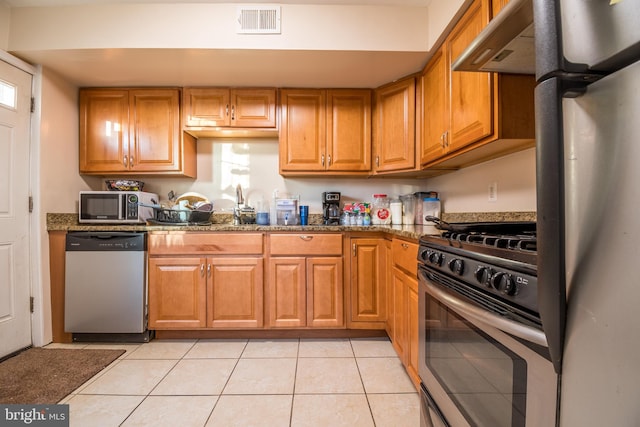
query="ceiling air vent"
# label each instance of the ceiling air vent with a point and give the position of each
(262, 19)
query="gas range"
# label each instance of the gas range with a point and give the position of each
(493, 264)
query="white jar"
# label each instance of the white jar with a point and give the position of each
(396, 212)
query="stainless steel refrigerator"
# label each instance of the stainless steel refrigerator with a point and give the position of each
(588, 189)
(587, 65)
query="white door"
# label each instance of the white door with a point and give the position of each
(15, 285)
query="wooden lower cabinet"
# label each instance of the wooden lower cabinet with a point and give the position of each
(305, 290)
(234, 289)
(368, 300)
(213, 292)
(404, 305)
(177, 293)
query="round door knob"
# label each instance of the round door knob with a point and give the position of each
(483, 275)
(456, 265)
(504, 283)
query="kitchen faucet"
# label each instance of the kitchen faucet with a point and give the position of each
(237, 217)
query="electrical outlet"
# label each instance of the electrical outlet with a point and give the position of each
(493, 192)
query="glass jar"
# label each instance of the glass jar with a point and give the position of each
(431, 207)
(380, 214)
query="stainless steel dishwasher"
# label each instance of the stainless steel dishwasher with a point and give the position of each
(106, 286)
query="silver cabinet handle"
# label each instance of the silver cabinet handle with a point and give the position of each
(208, 270)
(226, 110)
(131, 161)
(125, 161)
(306, 238)
(354, 249)
(202, 270)
(405, 246)
(322, 159)
(377, 161)
(233, 112)
(329, 160)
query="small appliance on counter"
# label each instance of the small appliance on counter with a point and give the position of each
(331, 208)
(115, 207)
(287, 211)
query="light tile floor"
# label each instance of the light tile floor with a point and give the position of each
(225, 383)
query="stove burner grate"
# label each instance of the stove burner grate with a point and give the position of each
(520, 242)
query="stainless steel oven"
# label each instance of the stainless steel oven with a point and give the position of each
(483, 354)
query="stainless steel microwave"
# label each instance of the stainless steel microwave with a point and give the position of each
(115, 207)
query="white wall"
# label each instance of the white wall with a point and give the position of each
(467, 190)
(5, 17)
(440, 15)
(201, 26)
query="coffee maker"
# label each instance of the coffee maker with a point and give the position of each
(331, 207)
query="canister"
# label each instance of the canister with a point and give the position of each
(408, 208)
(380, 214)
(395, 206)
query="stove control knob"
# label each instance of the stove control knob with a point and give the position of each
(456, 265)
(504, 282)
(435, 258)
(483, 275)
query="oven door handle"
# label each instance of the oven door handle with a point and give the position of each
(519, 330)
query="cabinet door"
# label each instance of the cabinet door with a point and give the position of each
(177, 293)
(413, 320)
(155, 130)
(395, 126)
(368, 285)
(235, 292)
(104, 131)
(303, 130)
(287, 292)
(435, 112)
(496, 6)
(400, 336)
(348, 130)
(471, 107)
(324, 292)
(253, 108)
(204, 107)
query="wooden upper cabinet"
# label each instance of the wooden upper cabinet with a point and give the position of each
(470, 117)
(325, 131)
(348, 130)
(470, 109)
(133, 131)
(394, 122)
(223, 107)
(435, 107)
(496, 6)
(104, 131)
(154, 130)
(303, 132)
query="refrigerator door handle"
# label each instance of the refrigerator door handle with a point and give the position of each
(551, 208)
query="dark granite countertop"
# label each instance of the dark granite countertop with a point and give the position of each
(223, 222)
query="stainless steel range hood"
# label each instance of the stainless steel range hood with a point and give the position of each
(505, 45)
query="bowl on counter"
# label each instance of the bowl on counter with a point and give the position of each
(124, 185)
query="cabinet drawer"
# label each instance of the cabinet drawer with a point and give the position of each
(171, 243)
(305, 244)
(405, 255)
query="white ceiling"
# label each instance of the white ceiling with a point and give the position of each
(43, 3)
(225, 67)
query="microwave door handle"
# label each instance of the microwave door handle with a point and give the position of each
(469, 310)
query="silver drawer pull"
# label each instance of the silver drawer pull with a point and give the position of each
(306, 238)
(405, 246)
